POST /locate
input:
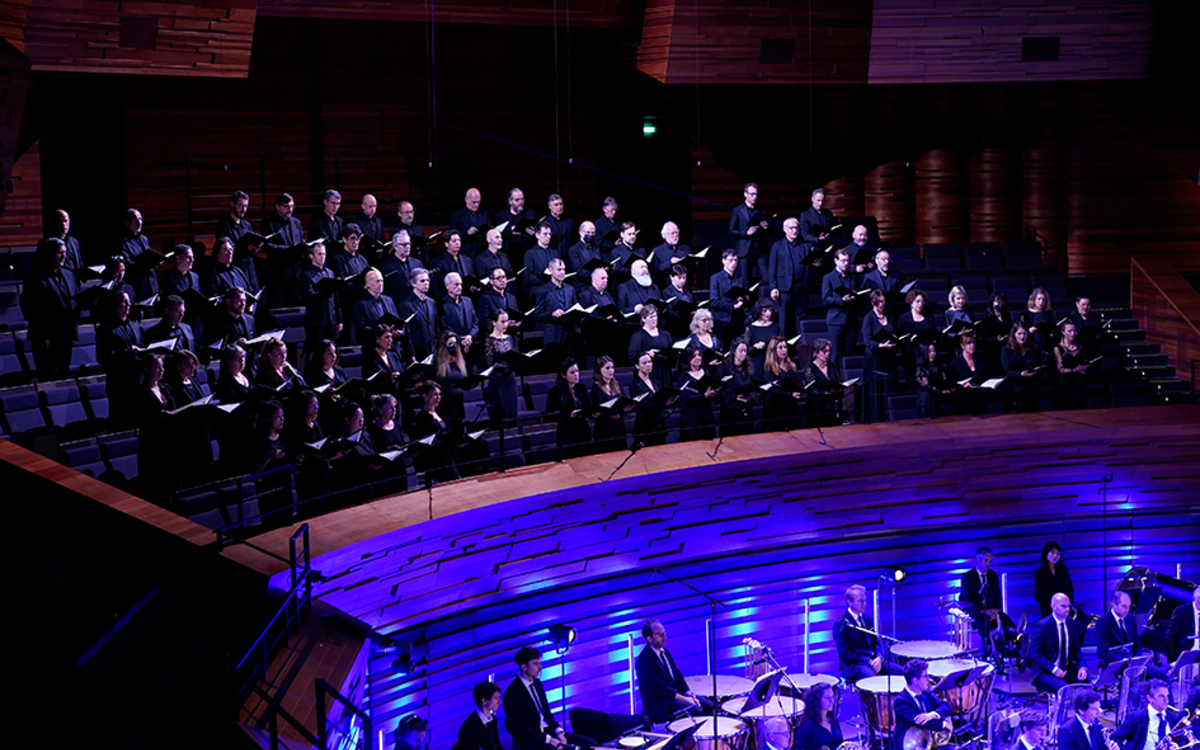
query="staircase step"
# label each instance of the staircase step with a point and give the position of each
(1152, 373)
(1123, 324)
(1172, 385)
(1128, 336)
(1139, 348)
(1142, 361)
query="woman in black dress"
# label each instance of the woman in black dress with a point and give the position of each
(274, 371)
(782, 408)
(354, 471)
(739, 393)
(158, 459)
(649, 427)
(913, 323)
(267, 452)
(696, 413)
(191, 433)
(1020, 359)
(958, 307)
(302, 428)
(233, 384)
(385, 432)
(969, 367)
(648, 338)
(1051, 577)
(932, 386)
(1071, 365)
(437, 461)
(993, 331)
(1038, 317)
(449, 368)
(609, 431)
(702, 329)
(880, 358)
(764, 326)
(382, 359)
(820, 728)
(326, 369)
(501, 392)
(568, 402)
(823, 390)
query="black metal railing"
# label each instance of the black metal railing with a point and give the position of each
(325, 689)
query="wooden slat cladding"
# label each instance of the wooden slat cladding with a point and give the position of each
(758, 41)
(14, 14)
(14, 87)
(1169, 310)
(21, 221)
(187, 38)
(965, 40)
(583, 13)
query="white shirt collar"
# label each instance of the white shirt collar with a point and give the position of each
(485, 719)
(527, 682)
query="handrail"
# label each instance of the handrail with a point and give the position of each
(324, 687)
(275, 709)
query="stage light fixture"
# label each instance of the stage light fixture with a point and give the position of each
(562, 635)
(894, 575)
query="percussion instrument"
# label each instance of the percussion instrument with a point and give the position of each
(927, 650)
(917, 738)
(730, 733)
(758, 718)
(876, 694)
(632, 742)
(727, 685)
(969, 698)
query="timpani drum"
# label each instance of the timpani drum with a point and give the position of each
(970, 698)
(927, 650)
(731, 733)
(877, 695)
(728, 685)
(788, 709)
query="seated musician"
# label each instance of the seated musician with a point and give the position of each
(1083, 732)
(412, 734)
(1117, 635)
(917, 707)
(979, 588)
(1033, 732)
(481, 730)
(1145, 728)
(859, 653)
(527, 715)
(820, 728)
(1057, 663)
(663, 688)
(1185, 624)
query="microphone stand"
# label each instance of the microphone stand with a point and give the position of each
(713, 603)
(770, 654)
(638, 445)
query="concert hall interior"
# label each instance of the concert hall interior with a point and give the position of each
(351, 349)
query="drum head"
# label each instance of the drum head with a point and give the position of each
(633, 742)
(881, 684)
(943, 667)
(927, 650)
(778, 706)
(727, 726)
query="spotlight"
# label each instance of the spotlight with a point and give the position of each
(562, 635)
(893, 575)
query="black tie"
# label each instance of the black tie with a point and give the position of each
(1124, 635)
(1062, 645)
(1158, 728)
(536, 700)
(1092, 739)
(666, 664)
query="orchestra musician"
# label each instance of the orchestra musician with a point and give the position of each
(481, 730)
(1185, 623)
(412, 734)
(1051, 577)
(1054, 648)
(662, 686)
(980, 588)
(820, 728)
(860, 654)
(527, 715)
(917, 707)
(1033, 732)
(1145, 728)
(1084, 733)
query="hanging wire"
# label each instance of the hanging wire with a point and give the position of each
(570, 131)
(557, 132)
(696, 65)
(431, 78)
(811, 137)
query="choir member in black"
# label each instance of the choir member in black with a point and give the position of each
(233, 383)
(913, 323)
(649, 338)
(749, 234)
(235, 225)
(398, 269)
(458, 312)
(552, 305)
(670, 252)
(1051, 577)
(696, 412)
(497, 297)
(516, 243)
(968, 366)
(727, 313)
(266, 452)
(736, 405)
(979, 587)
(492, 256)
(171, 326)
(881, 278)
(178, 281)
(933, 387)
(563, 227)
(822, 406)
(840, 308)
(370, 308)
(423, 328)
(449, 368)
(281, 263)
(436, 463)
(62, 231)
(386, 435)
(274, 370)
(157, 452)
(537, 261)
(596, 292)
(820, 727)
(958, 307)
(815, 225)
(325, 368)
(764, 326)
(997, 314)
(636, 292)
(501, 391)
(230, 323)
(412, 733)
(223, 275)
(701, 330)
(916, 707)
(782, 409)
(649, 427)
(527, 715)
(619, 256)
(467, 221)
(383, 358)
(112, 278)
(366, 219)
(322, 316)
(481, 730)
(607, 224)
(118, 342)
(578, 255)
(355, 470)
(327, 225)
(1038, 317)
(451, 261)
(787, 275)
(568, 402)
(48, 303)
(1090, 326)
(1020, 359)
(1072, 367)
(677, 289)
(406, 214)
(302, 429)
(346, 263)
(879, 365)
(142, 278)
(608, 435)
(192, 437)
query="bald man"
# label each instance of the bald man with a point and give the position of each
(493, 256)
(368, 220)
(581, 252)
(468, 220)
(1055, 648)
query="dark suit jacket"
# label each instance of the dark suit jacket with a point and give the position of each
(223, 325)
(875, 280)
(969, 588)
(1183, 624)
(489, 301)
(460, 317)
(321, 226)
(658, 689)
(1131, 735)
(161, 332)
(854, 647)
(555, 299)
(1043, 646)
(1110, 639)
(366, 312)
(631, 293)
(521, 716)
(48, 303)
(837, 312)
(579, 254)
(462, 220)
(740, 220)
(397, 276)
(424, 328)
(290, 233)
(1073, 737)
(786, 267)
(660, 257)
(474, 735)
(720, 305)
(907, 710)
(445, 264)
(812, 222)
(536, 262)
(320, 309)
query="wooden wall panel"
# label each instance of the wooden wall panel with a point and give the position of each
(1169, 310)
(891, 198)
(845, 196)
(186, 38)
(583, 13)
(14, 88)
(995, 195)
(21, 221)
(942, 196)
(965, 40)
(14, 14)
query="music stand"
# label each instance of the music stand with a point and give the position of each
(763, 691)
(676, 741)
(1187, 658)
(960, 678)
(1113, 673)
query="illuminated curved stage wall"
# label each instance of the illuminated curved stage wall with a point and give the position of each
(469, 589)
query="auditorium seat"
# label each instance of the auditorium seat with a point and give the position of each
(83, 360)
(903, 406)
(63, 408)
(199, 505)
(943, 257)
(1023, 256)
(20, 413)
(540, 443)
(12, 371)
(119, 452)
(983, 257)
(905, 257)
(95, 400)
(1015, 287)
(10, 309)
(84, 458)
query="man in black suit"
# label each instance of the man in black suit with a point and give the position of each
(481, 730)
(1185, 623)
(370, 308)
(496, 297)
(327, 225)
(527, 715)
(1117, 635)
(882, 278)
(1033, 732)
(424, 329)
(1145, 728)
(492, 256)
(405, 221)
(552, 305)
(607, 224)
(467, 221)
(749, 234)
(398, 268)
(322, 316)
(62, 230)
(172, 326)
(234, 225)
(661, 683)
(367, 219)
(515, 244)
(48, 303)
(562, 226)
(451, 261)
(635, 293)
(727, 313)
(787, 276)
(282, 265)
(916, 707)
(1057, 663)
(230, 322)
(670, 251)
(839, 308)
(537, 260)
(859, 653)
(979, 588)
(1082, 732)
(578, 255)
(458, 312)
(141, 277)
